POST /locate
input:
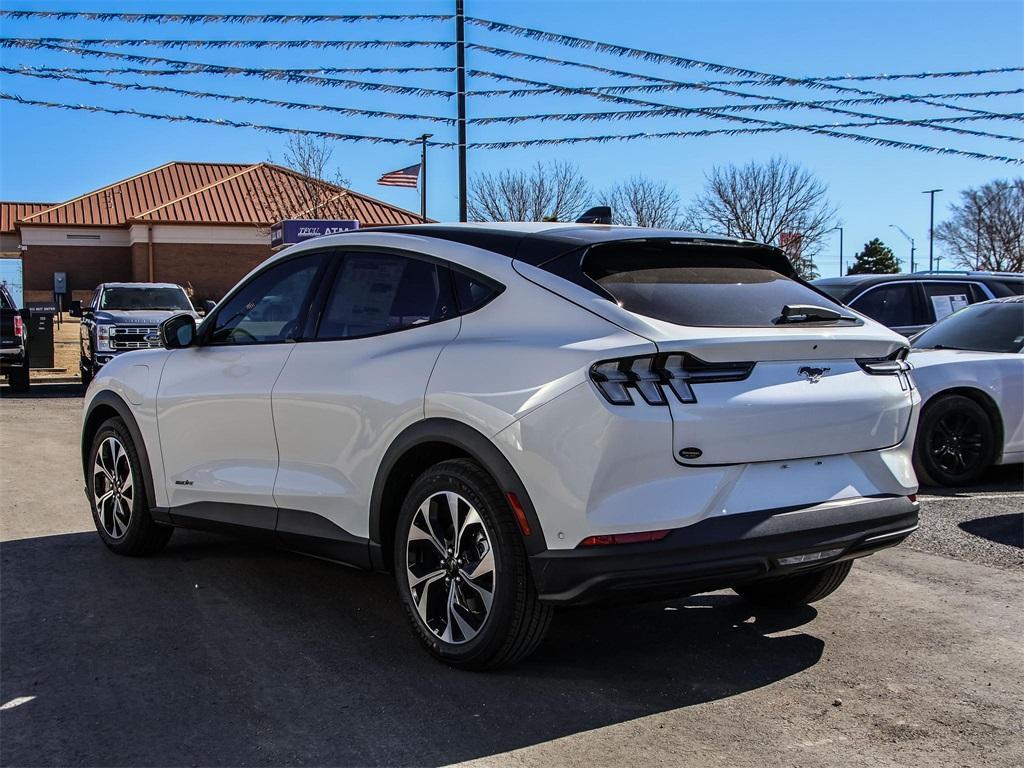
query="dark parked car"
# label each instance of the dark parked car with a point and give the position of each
(13, 346)
(124, 316)
(910, 303)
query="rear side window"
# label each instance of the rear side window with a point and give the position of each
(697, 286)
(382, 292)
(473, 292)
(891, 305)
(5, 300)
(943, 299)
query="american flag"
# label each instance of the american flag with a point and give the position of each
(404, 177)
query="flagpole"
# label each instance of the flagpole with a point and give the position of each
(460, 76)
(423, 171)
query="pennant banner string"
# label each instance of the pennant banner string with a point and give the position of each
(350, 111)
(509, 144)
(722, 115)
(680, 61)
(712, 112)
(264, 74)
(230, 18)
(22, 42)
(505, 53)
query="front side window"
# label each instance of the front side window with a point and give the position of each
(138, 298)
(270, 307)
(381, 292)
(891, 305)
(997, 327)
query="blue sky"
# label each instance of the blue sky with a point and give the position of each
(52, 155)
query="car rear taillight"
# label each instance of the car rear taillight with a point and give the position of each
(894, 365)
(653, 375)
(623, 538)
(19, 326)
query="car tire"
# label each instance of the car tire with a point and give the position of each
(116, 486)
(86, 370)
(956, 442)
(799, 589)
(463, 577)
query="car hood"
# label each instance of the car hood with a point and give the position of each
(138, 316)
(927, 358)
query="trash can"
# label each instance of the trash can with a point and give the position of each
(40, 334)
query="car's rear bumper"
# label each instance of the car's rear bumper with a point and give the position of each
(724, 551)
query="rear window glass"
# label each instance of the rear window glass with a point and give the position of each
(699, 287)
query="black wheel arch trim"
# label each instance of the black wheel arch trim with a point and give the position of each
(108, 399)
(476, 446)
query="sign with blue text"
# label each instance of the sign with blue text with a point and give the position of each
(291, 231)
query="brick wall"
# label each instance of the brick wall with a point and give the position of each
(211, 269)
(86, 266)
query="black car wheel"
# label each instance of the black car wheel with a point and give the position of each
(117, 494)
(462, 572)
(956, 442)
(799, 589)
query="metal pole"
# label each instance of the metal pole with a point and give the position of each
(423, 176)
(840, 251)
(931, 229)
(460, 76)
(910, 240)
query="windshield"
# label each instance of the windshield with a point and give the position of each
(145, 298)
(997, 327)
(711, 287)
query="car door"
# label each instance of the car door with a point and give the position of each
(345, 393)
(213, 404)
(894, 305)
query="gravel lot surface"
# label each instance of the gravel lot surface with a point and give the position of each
(223, 653)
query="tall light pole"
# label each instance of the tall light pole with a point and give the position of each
(931, 229)
(423, 175)
(840, 250)
(900, 230)
(460, 80)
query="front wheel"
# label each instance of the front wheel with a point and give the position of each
(117, 494)
(956, 442)
(462, 571)
(799, 589)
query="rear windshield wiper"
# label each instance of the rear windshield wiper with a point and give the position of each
(809, 313)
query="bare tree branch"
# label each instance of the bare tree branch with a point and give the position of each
(986, 229)
(763, 201)
(552, 192)
(319, 189)
(643, 202)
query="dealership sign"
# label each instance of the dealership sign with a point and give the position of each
(293, 231)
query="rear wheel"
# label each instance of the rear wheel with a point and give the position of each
(956, 442)
(117, 494)
(462, 571)
(800, 589)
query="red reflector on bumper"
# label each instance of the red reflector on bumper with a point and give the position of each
(517, 510)
(913, 497)
(623, 538)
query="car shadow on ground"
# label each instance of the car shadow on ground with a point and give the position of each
(1002, 529)
(998, 479)
(42, 390)
(223, 653)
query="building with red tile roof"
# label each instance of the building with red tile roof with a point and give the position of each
(199, 224)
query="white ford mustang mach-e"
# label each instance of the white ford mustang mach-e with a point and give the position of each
(515, 417)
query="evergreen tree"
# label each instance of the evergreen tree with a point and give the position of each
(876, 259)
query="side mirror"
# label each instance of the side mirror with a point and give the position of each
(178, 332)
(75, 308)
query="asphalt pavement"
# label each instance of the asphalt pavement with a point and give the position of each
(223, 653)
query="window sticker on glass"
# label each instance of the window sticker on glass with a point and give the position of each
(945, 306)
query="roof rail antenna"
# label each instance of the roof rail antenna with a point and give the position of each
(600, 214)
